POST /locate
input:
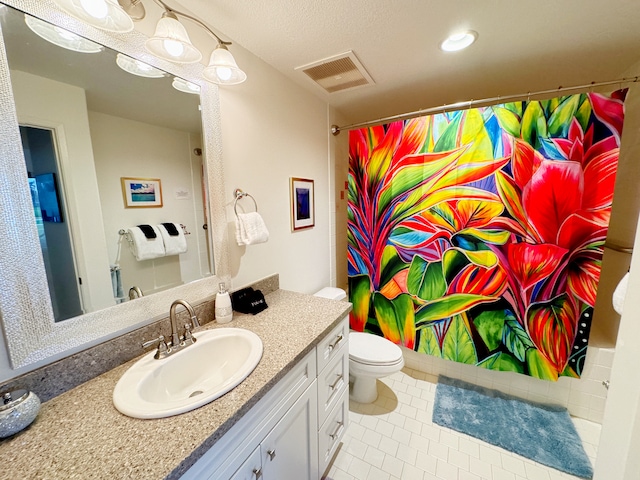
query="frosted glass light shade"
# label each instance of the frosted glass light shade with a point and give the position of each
(136, 67)
(223, 69)
(185, 86)
(171, 42)
(103, 14)
(61, 37)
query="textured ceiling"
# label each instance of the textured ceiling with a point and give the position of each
(522, 47)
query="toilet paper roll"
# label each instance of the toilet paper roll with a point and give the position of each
(619, 293)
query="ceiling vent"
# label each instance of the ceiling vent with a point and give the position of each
(338, 73)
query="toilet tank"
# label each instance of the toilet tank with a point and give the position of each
(333, 293)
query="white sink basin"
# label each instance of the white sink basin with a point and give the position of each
(218, 362)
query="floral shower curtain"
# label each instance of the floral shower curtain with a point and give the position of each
(477, 235)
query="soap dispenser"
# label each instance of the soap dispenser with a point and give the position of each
(224, 311)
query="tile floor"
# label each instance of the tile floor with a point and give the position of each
(395, 439)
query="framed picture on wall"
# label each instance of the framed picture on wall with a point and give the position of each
(141, 192)
(302, 206)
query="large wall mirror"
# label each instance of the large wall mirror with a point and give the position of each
(88, 134)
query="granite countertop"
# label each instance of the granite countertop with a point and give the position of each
(80, 434)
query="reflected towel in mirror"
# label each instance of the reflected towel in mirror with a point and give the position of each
(144, 248)
(173, 244)
(250, 229)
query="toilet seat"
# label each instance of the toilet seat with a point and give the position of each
(368, 349)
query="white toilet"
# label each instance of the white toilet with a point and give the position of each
(370, 357)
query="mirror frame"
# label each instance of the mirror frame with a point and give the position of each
(32, 336)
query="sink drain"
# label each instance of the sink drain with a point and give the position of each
(197, 392)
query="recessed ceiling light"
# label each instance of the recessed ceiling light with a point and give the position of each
(61, 37)
(137, 67)
(459, 41)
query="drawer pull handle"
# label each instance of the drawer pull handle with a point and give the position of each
(257, 472)
(335, 384)
(272, 454)
(336, 342)
(335, 434)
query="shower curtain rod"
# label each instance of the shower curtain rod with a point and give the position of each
(335, 129)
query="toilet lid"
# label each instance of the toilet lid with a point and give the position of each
(373, 350)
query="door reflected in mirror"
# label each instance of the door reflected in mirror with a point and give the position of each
(102, 123)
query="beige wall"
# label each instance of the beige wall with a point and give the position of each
(273, 130)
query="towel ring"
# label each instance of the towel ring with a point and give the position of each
(239, 194)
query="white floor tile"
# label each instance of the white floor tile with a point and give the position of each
(394, 438)
(446, 471)
(513, 464)
(409, 472)
(374, 457)
(392, 466)
(359, 469)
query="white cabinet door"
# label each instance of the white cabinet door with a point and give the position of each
(251, 469)
(290, 451)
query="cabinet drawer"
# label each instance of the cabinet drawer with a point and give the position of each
(328, 348)
(332, 431)
(251, 469)
(332, 382)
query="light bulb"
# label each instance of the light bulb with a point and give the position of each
(95, 8)
(173, 47)
(224, 73)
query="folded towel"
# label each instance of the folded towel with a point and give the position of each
(250, 229)
(148, 231)
(173, 244)
(144, 248)
(171, 228)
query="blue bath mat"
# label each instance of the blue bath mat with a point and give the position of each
(543, 433)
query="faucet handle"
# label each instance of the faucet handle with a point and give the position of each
(162, 350)
(188, 338)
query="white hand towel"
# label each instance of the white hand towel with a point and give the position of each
(251, 229)
(620, 293)
(144, 248)
(173, 244)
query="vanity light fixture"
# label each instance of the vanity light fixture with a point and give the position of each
(459, 41)
(171, 41)
(185, 86)
(222, 68)
(61, 37)
(104, 14)
(136, 67)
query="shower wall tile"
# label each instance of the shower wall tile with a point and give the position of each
(584, 398)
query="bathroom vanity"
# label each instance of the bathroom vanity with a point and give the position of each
(285, 420)
(295, 429)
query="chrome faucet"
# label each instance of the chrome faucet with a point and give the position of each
(135, 292)
(175, 338)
